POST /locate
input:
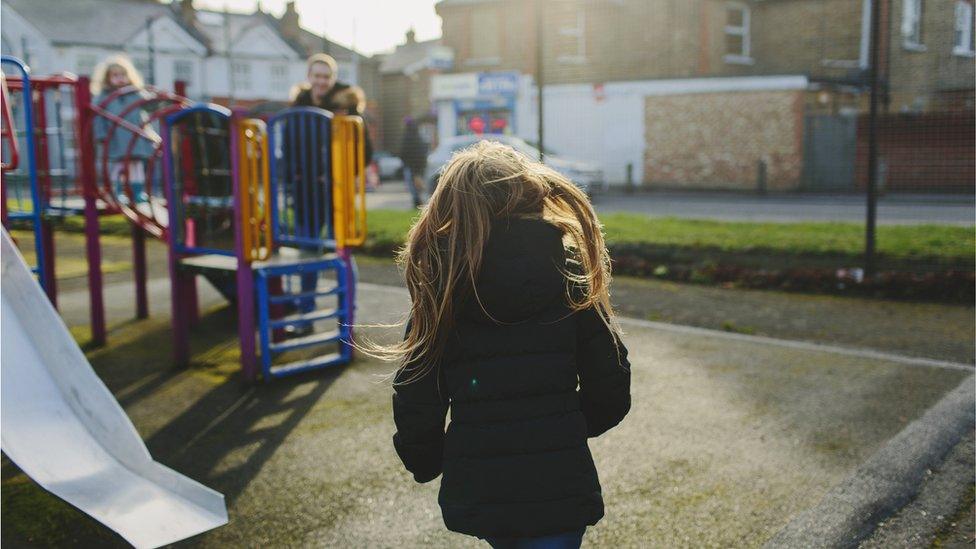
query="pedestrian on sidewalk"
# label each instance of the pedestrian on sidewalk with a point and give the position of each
(413, 153)
(511, 329)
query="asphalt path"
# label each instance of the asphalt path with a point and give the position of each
(892, 209)
(730, 436)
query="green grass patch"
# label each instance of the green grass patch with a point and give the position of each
(894, 241)
(387, 229)
(939, 243)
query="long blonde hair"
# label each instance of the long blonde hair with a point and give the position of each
(443, 253)
(99, 81)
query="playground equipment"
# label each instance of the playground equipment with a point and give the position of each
(26, 203)
(249, 213)
(64, 429)
(239, 201)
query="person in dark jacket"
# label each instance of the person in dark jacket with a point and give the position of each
(511, 330)
(325, 91)
(413, 153)
(313, 209)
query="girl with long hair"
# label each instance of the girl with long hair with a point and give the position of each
(510, 328)
(116, 85)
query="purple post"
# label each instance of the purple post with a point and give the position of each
(139, 269)
(245, 277)
(350, 304)
(50, 278)
(192, 299)
(181, 332)
(92, 245)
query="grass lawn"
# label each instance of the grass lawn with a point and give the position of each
(944, 244)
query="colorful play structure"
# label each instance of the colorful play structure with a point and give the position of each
(268, 211)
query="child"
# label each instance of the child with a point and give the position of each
(111, 76)
(511, 328)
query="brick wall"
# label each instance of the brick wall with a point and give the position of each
(931, 152)
(715, 141)
(650, 39)
(402, 96)
(920, 80)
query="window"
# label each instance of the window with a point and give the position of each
(85, 63)
(963, 43)
(279, 78)
(240, 76)
(737, 46)
(572, 40)
(485, 44)
(183, 70)
(911, 25)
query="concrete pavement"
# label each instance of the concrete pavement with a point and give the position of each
(728, 438)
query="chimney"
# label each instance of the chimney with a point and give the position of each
(411, 37)
(289, 22)
(188, 13)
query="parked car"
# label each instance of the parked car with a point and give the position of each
(390, 167)
(585, 175)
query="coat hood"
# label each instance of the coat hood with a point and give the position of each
(521, 271)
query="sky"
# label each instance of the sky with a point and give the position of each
(371, 26)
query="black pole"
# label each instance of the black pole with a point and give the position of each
(539, 81)
(869, 240)
(151, 68)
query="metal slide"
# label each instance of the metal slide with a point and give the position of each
(64, 429)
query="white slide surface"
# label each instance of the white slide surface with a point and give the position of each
(63, 427)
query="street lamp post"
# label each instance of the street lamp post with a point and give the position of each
(151, 47)
(539, 81)
(872, 198)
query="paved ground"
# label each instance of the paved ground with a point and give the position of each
(892, 209)
(727, 440)
(919, 329)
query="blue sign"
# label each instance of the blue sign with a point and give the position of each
(498, 83)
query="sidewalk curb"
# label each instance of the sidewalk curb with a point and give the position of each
(885, 482)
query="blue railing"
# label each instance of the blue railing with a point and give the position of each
(301, 177)
(199, 185)
(36, 210)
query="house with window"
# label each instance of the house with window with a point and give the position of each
(697, 93)
(226, 57)
(249, 59)
(54, 36)
(404, 82)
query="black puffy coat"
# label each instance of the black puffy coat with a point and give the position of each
(304, 99)
(524, 393)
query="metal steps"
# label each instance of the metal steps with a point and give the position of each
(278, 286)
(331, 359)
(306, 318)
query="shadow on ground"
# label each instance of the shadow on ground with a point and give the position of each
(222, 436)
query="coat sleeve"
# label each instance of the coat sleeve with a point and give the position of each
(604, 374)
(419, 412)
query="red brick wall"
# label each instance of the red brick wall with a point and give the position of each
(931, 152)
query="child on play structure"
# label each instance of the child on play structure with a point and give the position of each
(511, 328)
(116, 86)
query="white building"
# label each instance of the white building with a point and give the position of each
(224, 57)
(249, 59)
